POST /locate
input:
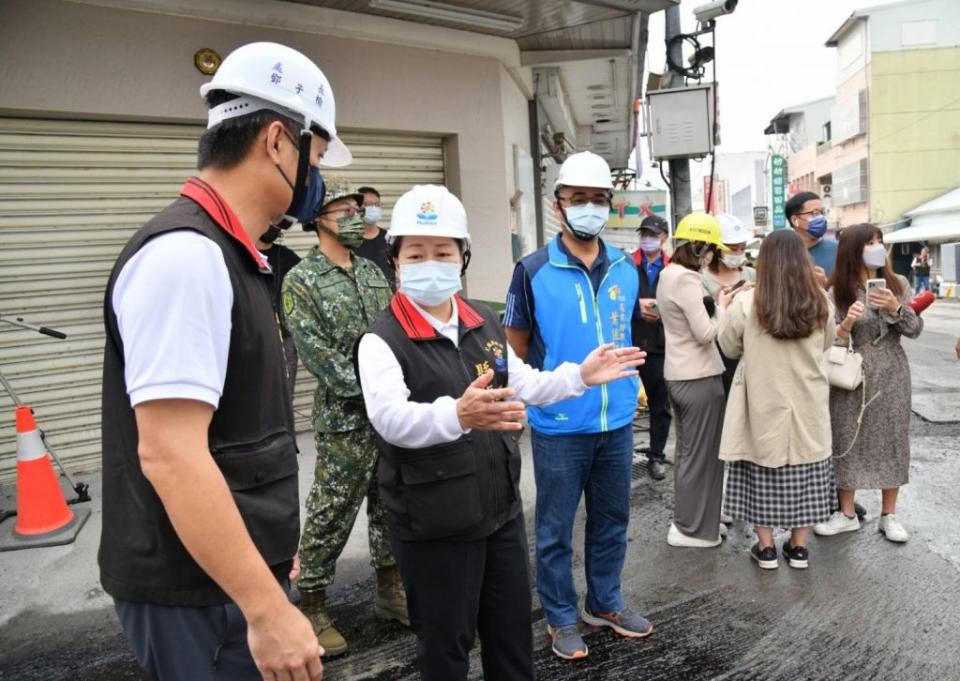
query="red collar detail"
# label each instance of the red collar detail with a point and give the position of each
(213, 205)
(418, 328)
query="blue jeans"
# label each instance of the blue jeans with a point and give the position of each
(598, 466)
(923, 284)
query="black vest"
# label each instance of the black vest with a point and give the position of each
(251, 439)
(460, 490)
(648, 336)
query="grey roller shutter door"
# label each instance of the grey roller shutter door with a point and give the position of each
(71, 194)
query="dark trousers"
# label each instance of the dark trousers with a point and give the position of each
(457, 589)
(200, 644)
(651, 375)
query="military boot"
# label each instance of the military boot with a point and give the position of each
(313, 604)
(391, 598)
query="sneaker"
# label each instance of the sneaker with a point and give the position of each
(892, 529)
(677, 538)
(626, 622)
(567, 642)
(797, 556)
(766, 558)
(726, 518)
(657, 469)
(837, 523)
(723, 529)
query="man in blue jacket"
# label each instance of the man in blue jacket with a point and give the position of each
(564, 300)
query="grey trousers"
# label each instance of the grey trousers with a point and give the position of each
(698, 407)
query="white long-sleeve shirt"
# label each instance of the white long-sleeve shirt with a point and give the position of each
(412, 425)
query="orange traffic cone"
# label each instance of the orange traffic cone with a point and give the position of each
(43, 517)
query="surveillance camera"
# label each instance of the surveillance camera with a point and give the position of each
(712, 10)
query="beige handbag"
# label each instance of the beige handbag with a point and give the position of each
(844, 366)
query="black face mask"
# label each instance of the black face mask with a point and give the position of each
(308, 189)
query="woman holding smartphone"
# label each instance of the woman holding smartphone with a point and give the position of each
(873, 453)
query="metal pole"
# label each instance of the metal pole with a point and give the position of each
(533, 109)
(680, 200)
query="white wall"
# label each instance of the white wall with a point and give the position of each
(63, 59)
(933, 18)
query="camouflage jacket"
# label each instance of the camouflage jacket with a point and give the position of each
(327, 308)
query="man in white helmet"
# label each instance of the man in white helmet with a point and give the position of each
(440, 384)
(200, 489)
(565, 299)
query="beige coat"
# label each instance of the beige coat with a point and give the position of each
(690, 332)
(778, 411)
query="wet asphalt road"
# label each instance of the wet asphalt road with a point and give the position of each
(866, 609)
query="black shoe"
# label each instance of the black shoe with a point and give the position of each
(860, 510)
(766, 558)
(658, 470)
(797, 556)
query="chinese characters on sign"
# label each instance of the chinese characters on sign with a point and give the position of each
(778, 190)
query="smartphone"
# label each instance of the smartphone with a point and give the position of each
(737, 285)
(874, 284)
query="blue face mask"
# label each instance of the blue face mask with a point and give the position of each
(430, 282)
(305, 206)
(817, 227)
(587, 221)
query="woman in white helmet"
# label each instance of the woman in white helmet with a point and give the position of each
(446, 395)
(727, 269)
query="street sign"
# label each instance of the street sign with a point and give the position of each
(778, 189)
(761, 215)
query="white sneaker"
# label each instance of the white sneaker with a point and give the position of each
(726, 518)
(892, 529)
(723, 529)
(677, 538)
(836, 524)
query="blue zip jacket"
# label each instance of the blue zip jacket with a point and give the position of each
(570, 320)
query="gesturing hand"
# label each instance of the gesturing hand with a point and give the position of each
(482, 409)
(608, 363)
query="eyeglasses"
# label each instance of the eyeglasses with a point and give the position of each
(581, 200)
(817, 212)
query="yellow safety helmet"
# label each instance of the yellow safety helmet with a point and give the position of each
(701, 227)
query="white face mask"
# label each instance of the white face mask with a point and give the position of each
(587, 221)
(649, 244)
(733, 261)
(430, 282)
(875, 256)
(372, 214)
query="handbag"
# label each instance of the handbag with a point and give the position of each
(844, 366)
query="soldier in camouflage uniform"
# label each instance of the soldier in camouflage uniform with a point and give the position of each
(329, 300)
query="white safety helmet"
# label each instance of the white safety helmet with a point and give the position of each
(584, 169)
(732, 230)
(429, 210)
(278, 78)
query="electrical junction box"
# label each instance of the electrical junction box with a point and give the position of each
(680, 122)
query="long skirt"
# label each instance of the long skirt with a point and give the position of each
(789, 496)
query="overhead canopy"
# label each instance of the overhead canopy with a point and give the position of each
(935, 220)
(587, 53)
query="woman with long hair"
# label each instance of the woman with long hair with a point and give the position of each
(776, 430)
(871, 441)
(693, 371)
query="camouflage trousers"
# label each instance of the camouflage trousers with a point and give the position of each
(345, 474)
